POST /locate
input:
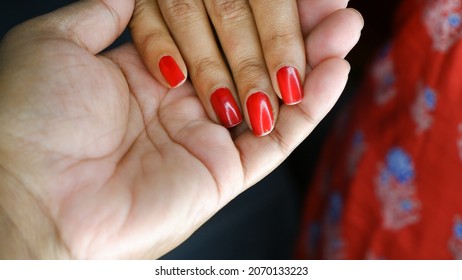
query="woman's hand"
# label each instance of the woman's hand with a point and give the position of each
(100, 160)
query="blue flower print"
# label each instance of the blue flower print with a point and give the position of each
(454, 20)
(400, 165)
(407, 205)
(430, 98)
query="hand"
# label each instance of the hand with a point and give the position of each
(261, 40)
(100, 160)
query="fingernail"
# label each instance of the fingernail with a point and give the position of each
(289, 85)
(171, 71)
(225, 107)
(260, 113)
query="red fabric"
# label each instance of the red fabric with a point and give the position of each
(389, 185)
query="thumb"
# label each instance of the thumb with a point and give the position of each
(92, 24)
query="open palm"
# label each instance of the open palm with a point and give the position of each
(120, 166)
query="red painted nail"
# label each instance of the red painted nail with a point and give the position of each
(171, 71)
(260, 113)
(289, 85)
(225, 107)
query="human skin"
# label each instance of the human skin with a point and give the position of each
(100, 160)
(260, 56)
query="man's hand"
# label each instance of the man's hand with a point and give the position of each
(100, 160)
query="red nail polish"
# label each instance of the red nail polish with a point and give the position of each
(225, 107)
(171, 71)
(289, 85)
(260, 113)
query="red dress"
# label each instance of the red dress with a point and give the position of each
(389, 185)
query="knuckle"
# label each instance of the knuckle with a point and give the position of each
(152, 36)
(181, 9)
(142, 8)
(142, 33)
(280, 38)
(230, 9)
(205, 67)
(250, 69)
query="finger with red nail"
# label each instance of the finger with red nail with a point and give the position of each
(258, 48)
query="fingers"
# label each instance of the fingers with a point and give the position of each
(156, 46)
(283, 47)
(92, 24)
(189, 24)
(238, 35)
(335, 36)
(262, 42)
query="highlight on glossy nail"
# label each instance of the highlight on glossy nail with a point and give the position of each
(171, 71)
(260, 113)
(289, 85)
(225, 107)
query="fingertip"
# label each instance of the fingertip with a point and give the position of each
(225, 107)
(290, 86)
(260, 113)
(156, 46)
(335, 36)
(357, 14)
(171, 71)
